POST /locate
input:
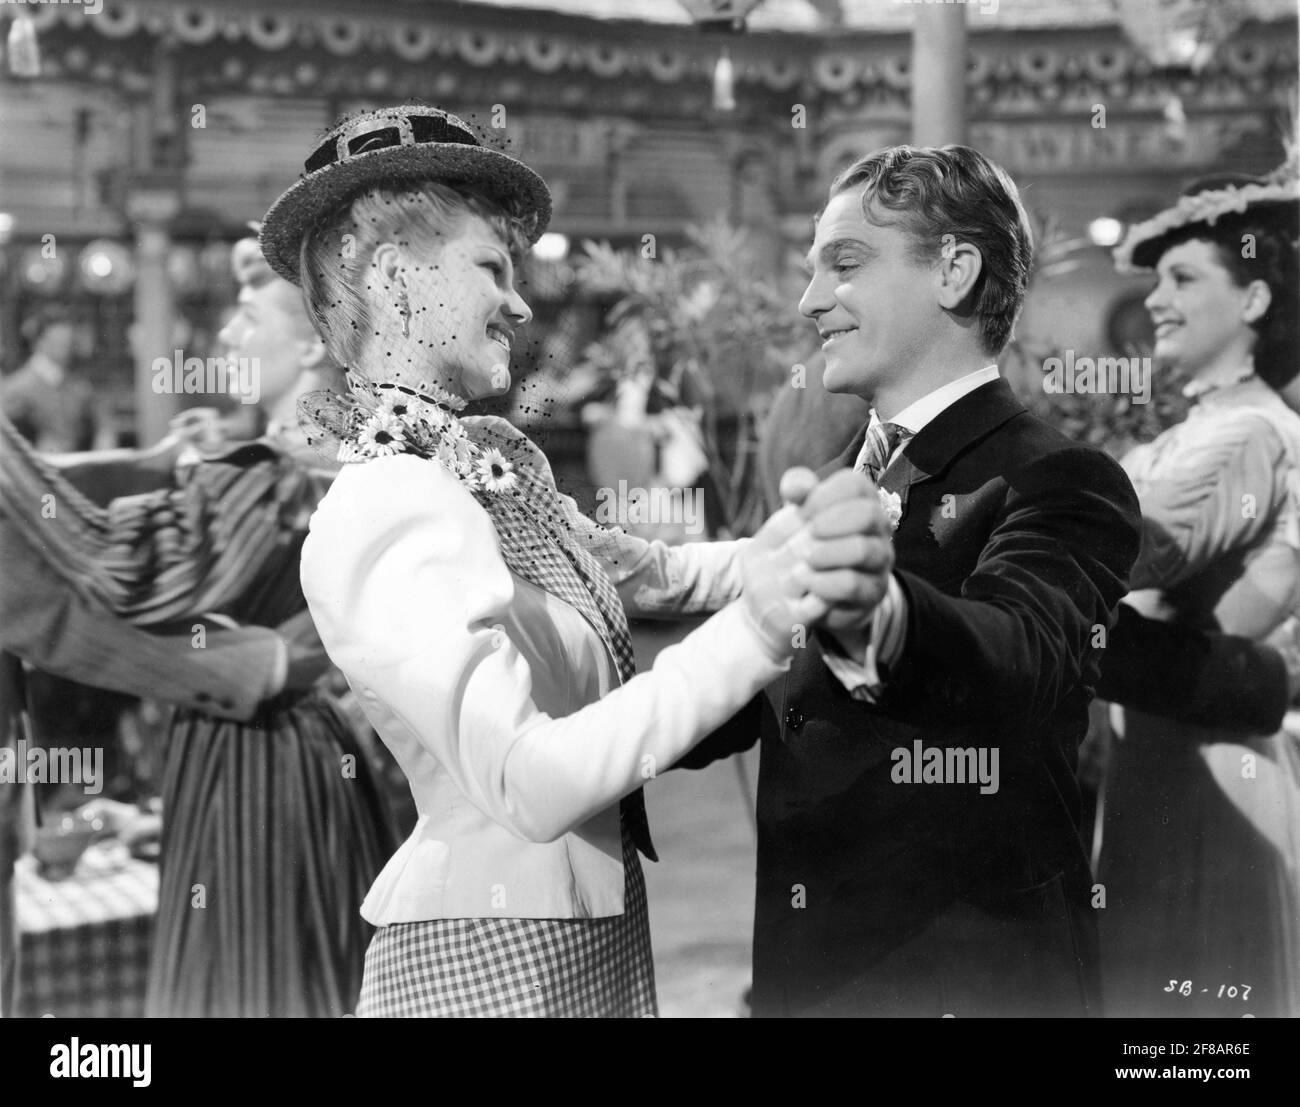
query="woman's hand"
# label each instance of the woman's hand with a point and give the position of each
(307, 659)
(200, 427)
(825, 529)
(772, 596)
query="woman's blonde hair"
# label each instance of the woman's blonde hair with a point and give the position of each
(337, 253)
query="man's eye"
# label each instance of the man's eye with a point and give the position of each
(844, 265)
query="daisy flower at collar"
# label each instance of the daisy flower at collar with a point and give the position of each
(382, 435)
(400, 406)
(494, 471)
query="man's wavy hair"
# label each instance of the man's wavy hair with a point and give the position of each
(935, 191)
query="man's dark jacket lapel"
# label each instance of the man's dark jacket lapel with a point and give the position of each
(933, 448)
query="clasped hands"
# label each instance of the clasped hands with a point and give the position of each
(823, 559)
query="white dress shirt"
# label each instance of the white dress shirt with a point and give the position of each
(861, 676)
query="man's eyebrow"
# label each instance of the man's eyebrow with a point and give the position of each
(829, 249)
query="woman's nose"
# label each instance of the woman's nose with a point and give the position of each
(1155, 297)
(226, 336)
(517, 309)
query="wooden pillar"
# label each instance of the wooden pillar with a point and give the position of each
(155, 310)
(154, 200)
(939, 74)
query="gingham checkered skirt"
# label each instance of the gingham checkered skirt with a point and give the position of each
(532, 968)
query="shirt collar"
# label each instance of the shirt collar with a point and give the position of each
(917, 414)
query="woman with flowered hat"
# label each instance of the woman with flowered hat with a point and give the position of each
(1201, 835)
(478, 616)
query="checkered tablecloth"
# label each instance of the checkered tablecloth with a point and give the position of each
(85, 940)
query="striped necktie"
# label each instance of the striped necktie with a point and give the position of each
(882, 440)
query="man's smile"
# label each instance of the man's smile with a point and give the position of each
(829, 336)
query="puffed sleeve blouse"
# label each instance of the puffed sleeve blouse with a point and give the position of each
(1216, 491)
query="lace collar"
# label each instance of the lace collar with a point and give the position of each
(384, 418)
(1199, 390)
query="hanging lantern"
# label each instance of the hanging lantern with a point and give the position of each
(724, 83)
(1175, 120)
(106, 267)
(720, 15)
(24, 55)
(1181, 34)
(42, 271)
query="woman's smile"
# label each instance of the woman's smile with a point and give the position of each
(500, 334)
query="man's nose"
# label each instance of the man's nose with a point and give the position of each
(816, 299)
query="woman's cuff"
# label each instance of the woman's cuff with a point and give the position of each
(778, 655)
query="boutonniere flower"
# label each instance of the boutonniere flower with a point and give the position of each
(892, 502)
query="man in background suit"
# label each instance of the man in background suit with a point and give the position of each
(46, 400)
(881, 889)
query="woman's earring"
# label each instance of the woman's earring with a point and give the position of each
(404, 310)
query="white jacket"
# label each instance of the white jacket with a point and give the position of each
(500, 702)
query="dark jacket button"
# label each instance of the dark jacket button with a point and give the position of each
(793, 718)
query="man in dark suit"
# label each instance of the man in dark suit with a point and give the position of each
(918, 843)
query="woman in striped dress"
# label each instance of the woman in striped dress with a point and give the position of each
(273, 827)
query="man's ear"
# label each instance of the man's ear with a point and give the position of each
(960, 265)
